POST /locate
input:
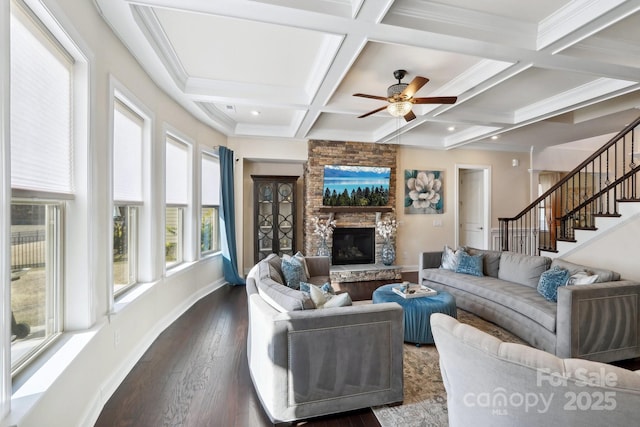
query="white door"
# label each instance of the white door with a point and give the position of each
(471, 208)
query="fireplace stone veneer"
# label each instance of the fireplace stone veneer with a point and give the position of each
(321, 153)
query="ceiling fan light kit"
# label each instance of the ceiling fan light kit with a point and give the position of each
(399, 109)
(400, 97)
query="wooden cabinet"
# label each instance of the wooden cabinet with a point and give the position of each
(274, 219)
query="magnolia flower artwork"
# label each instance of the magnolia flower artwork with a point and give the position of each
(423, 192)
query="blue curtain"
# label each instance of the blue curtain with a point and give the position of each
(227, 219)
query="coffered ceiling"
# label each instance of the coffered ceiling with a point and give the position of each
(531, 73)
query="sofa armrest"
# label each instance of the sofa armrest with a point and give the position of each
(428, 260)
(599, 322)
(318, 265)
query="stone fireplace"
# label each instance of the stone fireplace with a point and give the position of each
(323, 153)
(353, 246)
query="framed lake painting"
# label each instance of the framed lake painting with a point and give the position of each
(356, 185)
(423, 191)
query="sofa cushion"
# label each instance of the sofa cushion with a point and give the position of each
(490, 260)
(523, 269)
(281, 297)
(513, 296)
(469, 264)
(550, 280)
(604, 275)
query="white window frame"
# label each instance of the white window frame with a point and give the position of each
(186, 242)
(75, 255)
(54, 229)
(5, 210)
(216, 246)
(141, 235)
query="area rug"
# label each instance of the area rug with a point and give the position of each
(425, 399)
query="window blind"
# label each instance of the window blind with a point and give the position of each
(41, 124)
(127, 154)
(177, 172)
(210, 180)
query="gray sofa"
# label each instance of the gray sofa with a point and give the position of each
(599, 321)
(306, 362)
(492, 383)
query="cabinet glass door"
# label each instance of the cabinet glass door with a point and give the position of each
(285, 217)
(265, 220)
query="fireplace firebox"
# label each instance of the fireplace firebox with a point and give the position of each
(353, 246)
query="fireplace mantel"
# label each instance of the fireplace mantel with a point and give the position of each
(348, 209)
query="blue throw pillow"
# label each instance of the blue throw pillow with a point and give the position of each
(469, 264)
(550, 280)
(326, 288)
(293, 272)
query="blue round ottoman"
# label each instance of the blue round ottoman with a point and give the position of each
(417, 311)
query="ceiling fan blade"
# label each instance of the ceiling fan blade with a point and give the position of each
(414, 86)
(372, 112)
(436, 100)
(364, 95)
(409, 116)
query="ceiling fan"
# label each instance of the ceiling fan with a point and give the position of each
(400, 97)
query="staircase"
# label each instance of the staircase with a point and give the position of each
(598, 195)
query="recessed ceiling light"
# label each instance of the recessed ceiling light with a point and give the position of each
(494, 137)
(255, 113)
(451, 128)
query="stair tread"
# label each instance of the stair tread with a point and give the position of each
(548, 250)
(610, 215)
(629, 200)
(586, 228)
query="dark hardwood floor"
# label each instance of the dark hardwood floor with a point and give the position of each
(195, 375)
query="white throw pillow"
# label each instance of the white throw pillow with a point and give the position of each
(318, 297)
(582, 278)
(450, 258)
(326, 300)
(340, 300)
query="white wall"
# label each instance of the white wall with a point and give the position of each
(509, 194)
(72, 384)
(615, 250)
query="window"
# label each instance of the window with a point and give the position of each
(176, 198)
(209, 224)
(41, 179)
(128, 140)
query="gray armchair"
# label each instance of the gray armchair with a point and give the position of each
(310, 362)
(492, 383)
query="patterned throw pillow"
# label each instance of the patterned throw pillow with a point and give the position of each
(326, 288)
(549, 282)
(469, 264)
(300, 256)
(450, 258)
(293, 272)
